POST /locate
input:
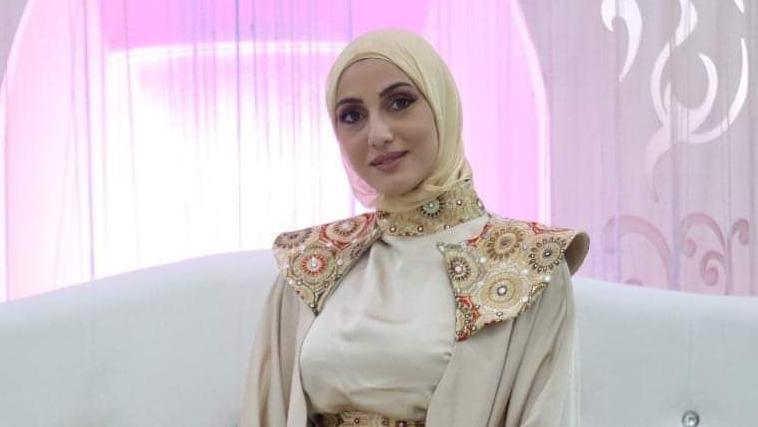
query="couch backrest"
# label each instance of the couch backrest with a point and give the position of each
(169, 346)
(165, 346)
(649, 356)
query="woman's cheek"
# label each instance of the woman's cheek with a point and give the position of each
(357, 157)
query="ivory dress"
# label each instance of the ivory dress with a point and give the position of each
(442, 316)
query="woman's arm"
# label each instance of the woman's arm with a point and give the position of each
(271, 362)
(546, 388)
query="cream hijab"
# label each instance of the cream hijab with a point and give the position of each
(421, 63)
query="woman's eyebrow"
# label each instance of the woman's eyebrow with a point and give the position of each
(392, 87)
(382, 94)
(348, 101)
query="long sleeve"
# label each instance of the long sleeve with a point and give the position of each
(545, 388)
(271, 362)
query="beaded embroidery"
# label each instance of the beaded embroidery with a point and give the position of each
(498, 274)
(495, 275)
(455, 206)
(314, 259)
(355, 418)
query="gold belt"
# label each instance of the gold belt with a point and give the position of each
(354, 418)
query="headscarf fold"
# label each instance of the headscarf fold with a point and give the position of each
(425, 68)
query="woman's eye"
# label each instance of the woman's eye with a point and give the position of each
(350, 116)
(401, 103)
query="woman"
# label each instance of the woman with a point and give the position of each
(429, 311)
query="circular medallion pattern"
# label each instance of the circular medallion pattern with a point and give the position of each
(547, 254)
(432, 208)
(463, 270)
(347, 231)
(459, 269)
(292, 239)
(500, 291)
(342, 232)
(345, 228)
(314, 266)
(503, 241)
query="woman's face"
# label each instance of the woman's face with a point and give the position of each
(385, 127)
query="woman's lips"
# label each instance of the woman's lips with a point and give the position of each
(388, 161)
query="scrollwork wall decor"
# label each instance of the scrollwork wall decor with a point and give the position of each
(628, 12)
(713, 263)
(678, 122)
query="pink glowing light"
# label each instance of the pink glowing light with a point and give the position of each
(143, 134)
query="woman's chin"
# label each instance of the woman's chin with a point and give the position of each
(393, 192)
(395, 187)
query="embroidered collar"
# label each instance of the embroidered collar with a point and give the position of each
(501, 272)
(495, 276)
(453, 207)
(314, 259)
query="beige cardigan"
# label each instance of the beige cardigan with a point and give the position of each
(512, 371)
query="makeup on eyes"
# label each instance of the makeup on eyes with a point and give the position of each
(342, 116)
(350, 107)
(402, 96)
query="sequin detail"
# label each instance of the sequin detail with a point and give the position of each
(504, 242)
(463, 269)
(314, 260)
(455, 206)
(363, 419)
(507, 266)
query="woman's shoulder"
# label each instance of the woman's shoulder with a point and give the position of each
(542, 245)
(313, 259)
(499, 273)
(336, 234)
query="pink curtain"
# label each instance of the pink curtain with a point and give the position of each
(137, 132)
(654, 112)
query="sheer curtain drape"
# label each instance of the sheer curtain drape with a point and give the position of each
(138, 132)
(654, 120)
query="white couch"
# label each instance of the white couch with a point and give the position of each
(168, 346)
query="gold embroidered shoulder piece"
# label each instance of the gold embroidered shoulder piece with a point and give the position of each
(314, 259)
(499, 273)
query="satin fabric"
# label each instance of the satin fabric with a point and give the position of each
(386, 336)
(520, 372)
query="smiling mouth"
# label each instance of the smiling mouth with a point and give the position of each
(387, 159)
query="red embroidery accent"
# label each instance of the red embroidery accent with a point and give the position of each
(538, 228)
(467, 314)
(314, 260)
(511, 264)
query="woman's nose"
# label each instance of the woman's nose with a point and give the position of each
(379, 132)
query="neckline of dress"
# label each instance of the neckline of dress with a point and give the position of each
(458, 205)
